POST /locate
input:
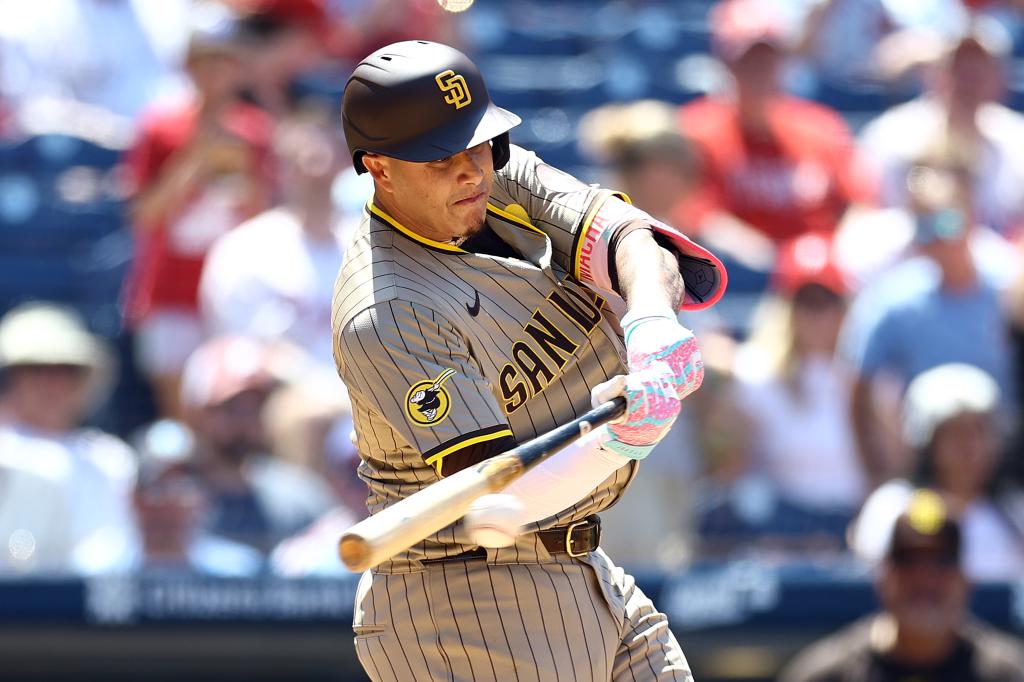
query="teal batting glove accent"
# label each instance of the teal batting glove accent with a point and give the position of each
(636, 452)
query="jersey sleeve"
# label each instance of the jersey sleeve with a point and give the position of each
(146, 156)
(416, 372)
(582, 220)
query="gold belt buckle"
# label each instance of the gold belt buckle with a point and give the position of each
(568, 539)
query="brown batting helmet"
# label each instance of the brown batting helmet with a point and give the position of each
(421, 101)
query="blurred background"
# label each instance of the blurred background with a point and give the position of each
(175, 198)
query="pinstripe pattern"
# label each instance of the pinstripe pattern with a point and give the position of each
(524, 363)
(486, 621)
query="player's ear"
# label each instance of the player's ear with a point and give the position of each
(378, 168)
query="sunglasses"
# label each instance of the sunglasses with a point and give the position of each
(816, 297)
(924, 559)
(947, 224)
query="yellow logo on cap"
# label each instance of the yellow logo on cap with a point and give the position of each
(427, 402)
(454, 85)
(926, 512)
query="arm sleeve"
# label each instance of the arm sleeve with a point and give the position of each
(146, 157)
(567, 477)
(870, 349)
(416, 371)
(582, 221)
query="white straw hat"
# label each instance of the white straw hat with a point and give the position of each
(942, 393)
(47, 334)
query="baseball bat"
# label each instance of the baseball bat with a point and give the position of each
(379, 537)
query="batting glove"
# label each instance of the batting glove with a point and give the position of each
(651, 408)
(654, 339)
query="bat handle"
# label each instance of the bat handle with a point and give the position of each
(394, 529)
(557, 438)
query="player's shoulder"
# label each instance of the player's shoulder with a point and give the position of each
(813, 122)
(108, 453)
(810, 111)
(902, 127)
(997, 655)
(519, 158)
(513, 175)
(381, 266)
(526, 179)
(707, 116)
(828, 659)
(33, 456)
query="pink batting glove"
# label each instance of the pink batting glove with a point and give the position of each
(655, 338)
(651, 408)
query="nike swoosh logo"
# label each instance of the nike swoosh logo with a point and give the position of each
(475, 308)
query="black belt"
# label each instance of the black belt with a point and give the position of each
(575, 539)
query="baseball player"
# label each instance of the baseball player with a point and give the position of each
(486, 299)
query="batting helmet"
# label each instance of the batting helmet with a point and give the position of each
(421, 101)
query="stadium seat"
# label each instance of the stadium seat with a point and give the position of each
(1015, 84)
(48, 155)
(853, 96)
(56, 229)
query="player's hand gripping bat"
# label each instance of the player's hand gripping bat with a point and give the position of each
(398, 527)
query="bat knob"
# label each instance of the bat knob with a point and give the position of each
(354, 552)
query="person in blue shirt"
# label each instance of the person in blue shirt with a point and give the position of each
(935, 308)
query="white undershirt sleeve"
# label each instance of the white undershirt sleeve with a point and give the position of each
(567, 477)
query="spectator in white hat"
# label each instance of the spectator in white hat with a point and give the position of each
(941, 305)
(54, 373)
(951, 418)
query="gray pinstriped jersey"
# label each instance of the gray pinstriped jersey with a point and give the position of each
(441, 348)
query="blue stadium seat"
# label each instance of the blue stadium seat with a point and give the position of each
(853, 96)
(521, 82)
(50, 154)
(519, 42)
(21, 198)
(27, 276)
(1015, 84)
(1017, 49)
(56, 229)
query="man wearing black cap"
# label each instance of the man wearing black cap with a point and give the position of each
(483, 300)
(923, 632)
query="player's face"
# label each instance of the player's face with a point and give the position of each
(234, 428)
(441, 199)
(48, 397)
(965, 453)
(974, 76)
(925, 592)
(816, 319)
(757, 71)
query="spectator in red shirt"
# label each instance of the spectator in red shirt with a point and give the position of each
(200, 167)
(285, 38)
(774, 166)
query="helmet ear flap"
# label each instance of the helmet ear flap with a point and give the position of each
(500, 150)
(357, 162)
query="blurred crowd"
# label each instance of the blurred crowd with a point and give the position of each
(871, 344)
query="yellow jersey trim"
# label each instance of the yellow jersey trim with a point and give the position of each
(426, 241)
(435, 459)
(581, 238)
(514, 218)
